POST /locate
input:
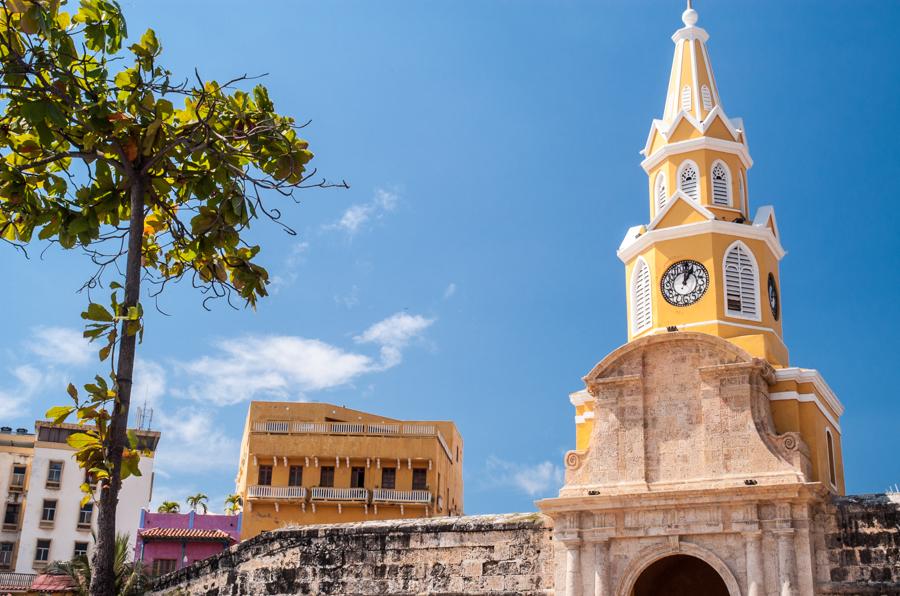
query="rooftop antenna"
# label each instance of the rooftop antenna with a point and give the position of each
(145, 416)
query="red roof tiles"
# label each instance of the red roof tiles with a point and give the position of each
(53, 583)
(186, 534)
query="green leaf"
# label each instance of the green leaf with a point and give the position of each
(104, 352)
(79, 441)
(59, 413)
(97, 312)
(73, 393)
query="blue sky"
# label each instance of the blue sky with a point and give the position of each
(470, 272)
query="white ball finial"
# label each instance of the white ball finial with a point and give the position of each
(689, 17)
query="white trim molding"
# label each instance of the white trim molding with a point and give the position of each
(761, 219)
(580, 397)
(810, 375)
(732, 147)
(656, 330)
(748, 298)
(679, 195)
(631, 246)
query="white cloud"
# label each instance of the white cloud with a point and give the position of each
(450, 291)
(191, 439)
(60, 345)
(541, 479)
(349, 300)
(356, 216)
(284, 366)
(30, 381)
(393, 334)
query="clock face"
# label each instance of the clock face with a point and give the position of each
(684, 283)
(773, 296)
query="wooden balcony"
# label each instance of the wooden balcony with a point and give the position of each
(328, 493)
(389, 495)
(276, 492)
(283, 427)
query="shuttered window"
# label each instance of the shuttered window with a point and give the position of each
(660, 192)
(686, 99)
(706, 96)
(689, 180)
(720, 185)
(741, 283)
(641, 309)
(832, 467)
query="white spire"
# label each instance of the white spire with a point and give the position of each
(689, 16)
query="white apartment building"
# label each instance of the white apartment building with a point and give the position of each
(52, 525)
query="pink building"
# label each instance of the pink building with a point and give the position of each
(170, 541)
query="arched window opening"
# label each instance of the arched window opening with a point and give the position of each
(641, 308)
(660, 192)
(685, 99)
(743, 193)
(706, 96)
(689, 180)
(721, 186)
(832, 467)
(741, 283)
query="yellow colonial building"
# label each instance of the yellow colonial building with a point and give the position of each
(304, 463)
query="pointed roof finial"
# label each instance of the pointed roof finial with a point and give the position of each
(689, 16)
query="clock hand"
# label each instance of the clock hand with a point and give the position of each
(688, 271)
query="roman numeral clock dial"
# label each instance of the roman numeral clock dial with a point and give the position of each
(684, 283)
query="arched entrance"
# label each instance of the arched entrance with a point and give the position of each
(680, 575)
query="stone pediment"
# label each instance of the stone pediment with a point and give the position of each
(681, 411)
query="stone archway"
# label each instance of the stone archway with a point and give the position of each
(689, 561)
(679, 575)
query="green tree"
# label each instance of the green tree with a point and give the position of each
(130, 578)
(197, 501)
(233, 504)
(168, 507)
(155, 179)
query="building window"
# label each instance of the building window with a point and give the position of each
(265, 476)
(685, 99)
(419, 479)
(80, 550)
(18, 477)
(721, 184)
(84, 515)
(689, 180)
(641, 306)
(706, 96)
(389, 478)
(295, 476)
(6, 552)
(54, 473)
(42, 552)
(11, 517)
(48, 514)
(89, 478)
(660, 191)
(743, 191)
(163, 566)
(358, 477)
(832, 467)
(741, 282)
(326, 476)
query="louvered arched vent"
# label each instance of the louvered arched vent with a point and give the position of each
(641, 309)
(720, 184)
(660, 191)
(706, 96)
(686, 99)
(743, 192)
(741, 282)
(689, 180)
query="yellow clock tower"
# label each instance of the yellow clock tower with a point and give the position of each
(702, 456)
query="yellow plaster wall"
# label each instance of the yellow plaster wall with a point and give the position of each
(805, 417)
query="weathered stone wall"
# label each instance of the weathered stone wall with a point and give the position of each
(863, 541)
(484, 554)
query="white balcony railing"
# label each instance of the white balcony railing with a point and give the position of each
(276, 492)
(328, 493)
(272, 426)
(353, 428)
(400, 496)
(16, 580)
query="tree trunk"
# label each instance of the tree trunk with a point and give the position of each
(103, 581)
